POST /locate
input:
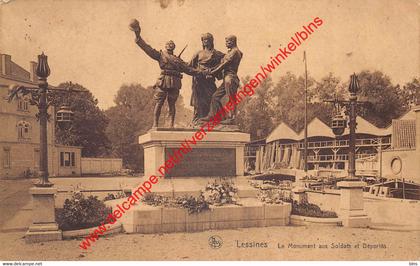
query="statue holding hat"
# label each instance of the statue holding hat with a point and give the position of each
(169, 81)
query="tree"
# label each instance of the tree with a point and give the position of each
(410, 93)
(254, 113)
(88, 125)
(384, 101)
(132, 116)
(328, 88)
(287, 99)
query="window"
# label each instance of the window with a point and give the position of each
(6, 158)
(23, 105)
(67, 159)
(24, 130)
(36, 158)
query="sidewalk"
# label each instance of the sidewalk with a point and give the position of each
(15, 205)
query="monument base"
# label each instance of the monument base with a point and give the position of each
(43, 236)
(44, 227)
(193, 153)
(351, 204)
(356, 221)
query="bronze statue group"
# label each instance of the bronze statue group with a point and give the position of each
(205, 67)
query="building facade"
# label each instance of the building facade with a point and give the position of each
(402, 160)
(19, 132)
(392, 152)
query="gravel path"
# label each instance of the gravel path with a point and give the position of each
(386, 245)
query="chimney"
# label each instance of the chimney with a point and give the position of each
(32, 71)
(6, 64)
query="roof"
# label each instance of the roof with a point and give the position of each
(404, 133)
(365, 127)
(282, 131)
(317, 128)
(409, 115)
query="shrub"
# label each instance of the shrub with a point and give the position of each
(80, 212)
(275, 196)
(154, 199)
(111, 196)
(217, 193)
(194, 205)
(311, 210)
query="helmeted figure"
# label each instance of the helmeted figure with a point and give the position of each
(169, 81)
(229, 68)
(203, 88)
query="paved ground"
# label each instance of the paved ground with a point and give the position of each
(15, 202)
(194, 246)
(391, 216)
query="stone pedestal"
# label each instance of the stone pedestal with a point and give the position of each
(299, 194)
(218, 153)
(43, 227)
(351, 204)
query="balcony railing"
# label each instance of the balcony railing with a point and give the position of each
(336, 158)
(345, 143)
(250, 151)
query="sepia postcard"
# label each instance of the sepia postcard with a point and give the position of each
(199, 130)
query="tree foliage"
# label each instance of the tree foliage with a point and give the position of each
(254, 113)
(132, 116)
(410, 93)
(384, 100)
(284, 101)
(287, 99)
(89, 123)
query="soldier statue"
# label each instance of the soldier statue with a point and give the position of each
(203, 88)
(229, 68)
(169, 81)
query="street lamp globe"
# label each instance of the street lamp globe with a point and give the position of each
(42, 69)
(354, 84)
(64, 116)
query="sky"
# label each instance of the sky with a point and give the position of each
(89, 41)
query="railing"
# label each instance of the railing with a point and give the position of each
(251, 151)
(345, 143)
(338, 157)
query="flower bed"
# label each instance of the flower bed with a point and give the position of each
(160, 219)
(80, 212)
(217, 193)
(275, 194)
(311, 210)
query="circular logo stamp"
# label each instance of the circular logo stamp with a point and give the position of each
(215, 242)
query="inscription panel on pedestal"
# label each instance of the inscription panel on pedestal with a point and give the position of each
(204, 162)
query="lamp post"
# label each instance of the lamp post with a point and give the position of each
(43, 71)
(351, 205)
(351, 197)
(339, 123)
(43, 227)
(43, 97)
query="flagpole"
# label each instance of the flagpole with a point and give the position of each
(306, 116)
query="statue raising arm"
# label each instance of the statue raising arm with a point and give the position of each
(150, 51)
